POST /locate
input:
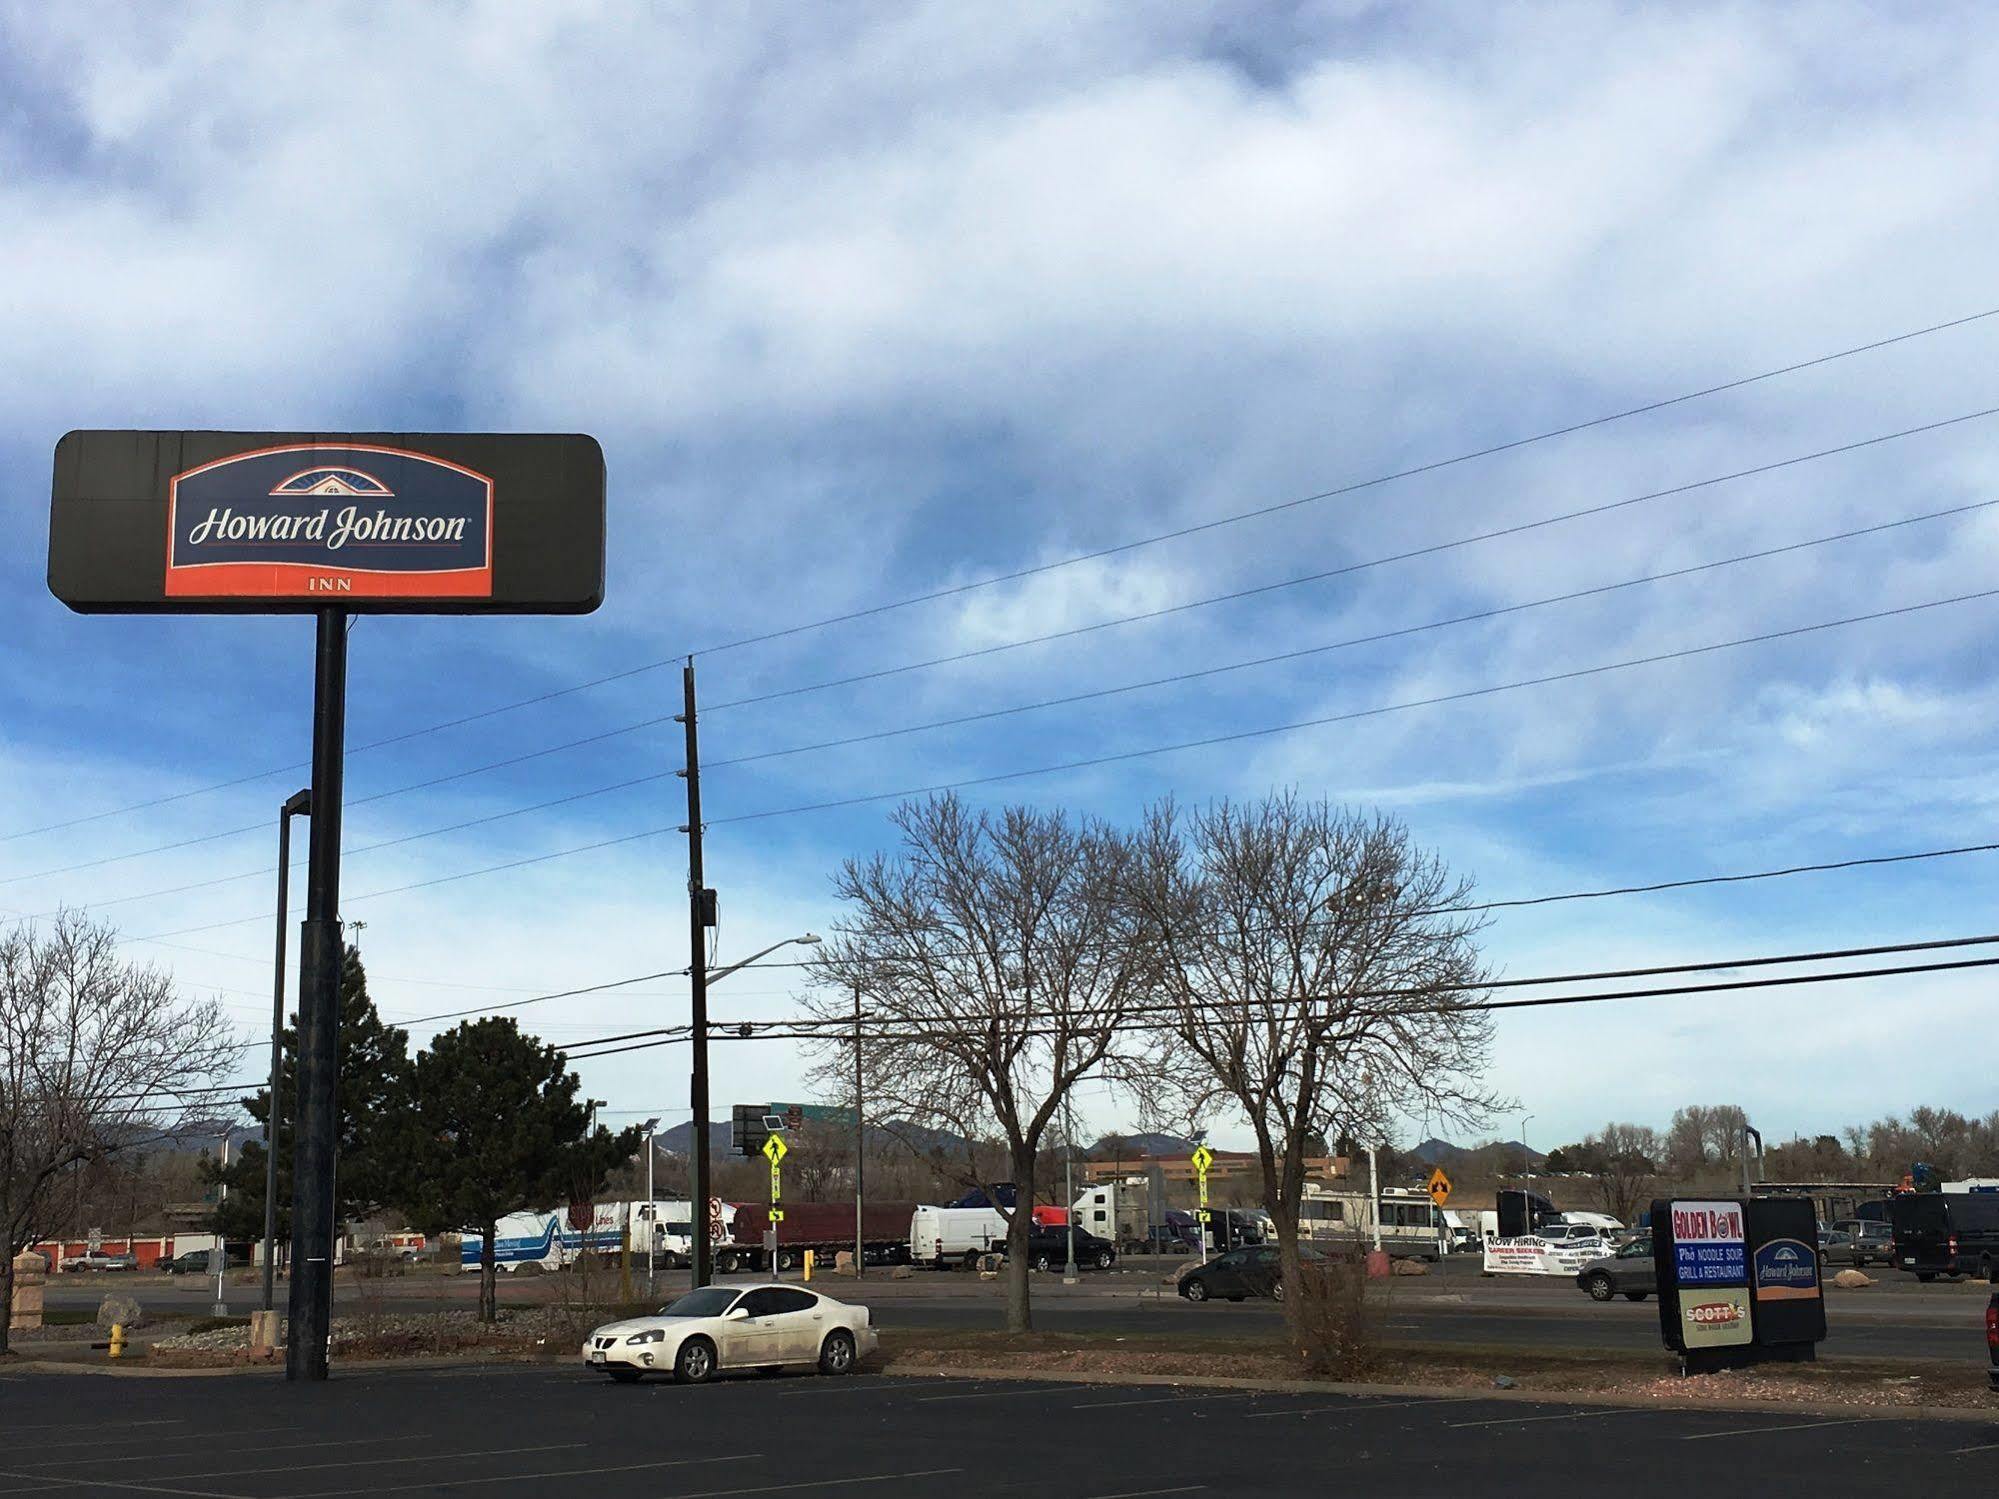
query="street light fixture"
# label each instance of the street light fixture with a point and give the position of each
(809, 939)
(702, 976)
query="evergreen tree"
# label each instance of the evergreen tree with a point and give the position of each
(374, 1078)
(495, 1126)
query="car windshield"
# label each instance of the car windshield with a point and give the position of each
(709, 1301)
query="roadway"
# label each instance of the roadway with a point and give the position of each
(501, 1430)
(1455, 1306)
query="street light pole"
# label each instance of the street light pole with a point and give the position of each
(700, 916)
(652, 1204)
(221, 1250)
(1069, 1186)
(298, 804)
(860, 1148)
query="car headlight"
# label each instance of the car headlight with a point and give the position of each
(651, 1335)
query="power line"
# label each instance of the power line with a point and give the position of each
(1142, 753)
(1073, 559)
(1359, 713)
(1378, 637)
(1477, 617)
(836, 1025)
(1350, 568)
(834, 1035)
(1353, 487)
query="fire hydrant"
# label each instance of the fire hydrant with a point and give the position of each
(117, 1339)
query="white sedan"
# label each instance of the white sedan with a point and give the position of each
(734, 1327)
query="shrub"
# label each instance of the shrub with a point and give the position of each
(1335, 1326)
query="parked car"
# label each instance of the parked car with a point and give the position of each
(98, 1260)
(1048, 1249)
(197, 1261)
(1567, 1233)
(1165, 1238)
(1629, 1273)
(1867, 1242)
(720, 1328)
(1242, 1272)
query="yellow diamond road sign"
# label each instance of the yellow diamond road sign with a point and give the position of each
(1439, 1186)
(1203, 1159)
(776, 1149)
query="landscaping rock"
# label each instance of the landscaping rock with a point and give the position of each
(1408, 1267)
(1852, 1280)
(900, 1272)
(1505, 1382)
(121, 1310)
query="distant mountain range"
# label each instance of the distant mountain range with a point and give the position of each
(679, 1140)
(1490, 1155)
(1129, 1147)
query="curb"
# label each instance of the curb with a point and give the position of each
(1454, 1392)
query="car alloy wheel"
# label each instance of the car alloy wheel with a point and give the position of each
(695, 1363)
(1195, 1290)
(836, 1355)
(1600, 1288)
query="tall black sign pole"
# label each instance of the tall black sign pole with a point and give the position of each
(319, 1019)
(697, 974)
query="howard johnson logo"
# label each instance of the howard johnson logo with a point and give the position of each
(294, 522)
(1787, 1269)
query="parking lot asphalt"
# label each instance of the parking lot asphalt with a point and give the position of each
(527, 1429)
(1454, 1306)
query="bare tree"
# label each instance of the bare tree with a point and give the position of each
(97, 1056)
(1321, 975)
(1623, 1163)
(997, 959)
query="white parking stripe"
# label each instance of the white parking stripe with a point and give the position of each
(1104, 1405)
(187, 1436)
(1185, 1488)
(1983, 1447)
(1564, 1416)
(153, 1457)
(376, 1462)
(357, 1462)
(816, 1483)
(108, 1483)
(1352, 1405)
(73, 1425)
(460, 1483)
(1051, 1389)
(1751, 1431)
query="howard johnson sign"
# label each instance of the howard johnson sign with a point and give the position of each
(242, 522)
(359, 522)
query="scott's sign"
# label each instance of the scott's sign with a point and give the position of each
(330, 522)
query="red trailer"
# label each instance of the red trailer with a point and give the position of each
(825, 1228)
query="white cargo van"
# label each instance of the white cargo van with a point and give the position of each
(950, 1236)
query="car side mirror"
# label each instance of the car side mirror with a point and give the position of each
(736, 1314)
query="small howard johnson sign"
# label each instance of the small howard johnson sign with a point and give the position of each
(354, 521)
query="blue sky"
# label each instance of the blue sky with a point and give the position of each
(868, 302)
